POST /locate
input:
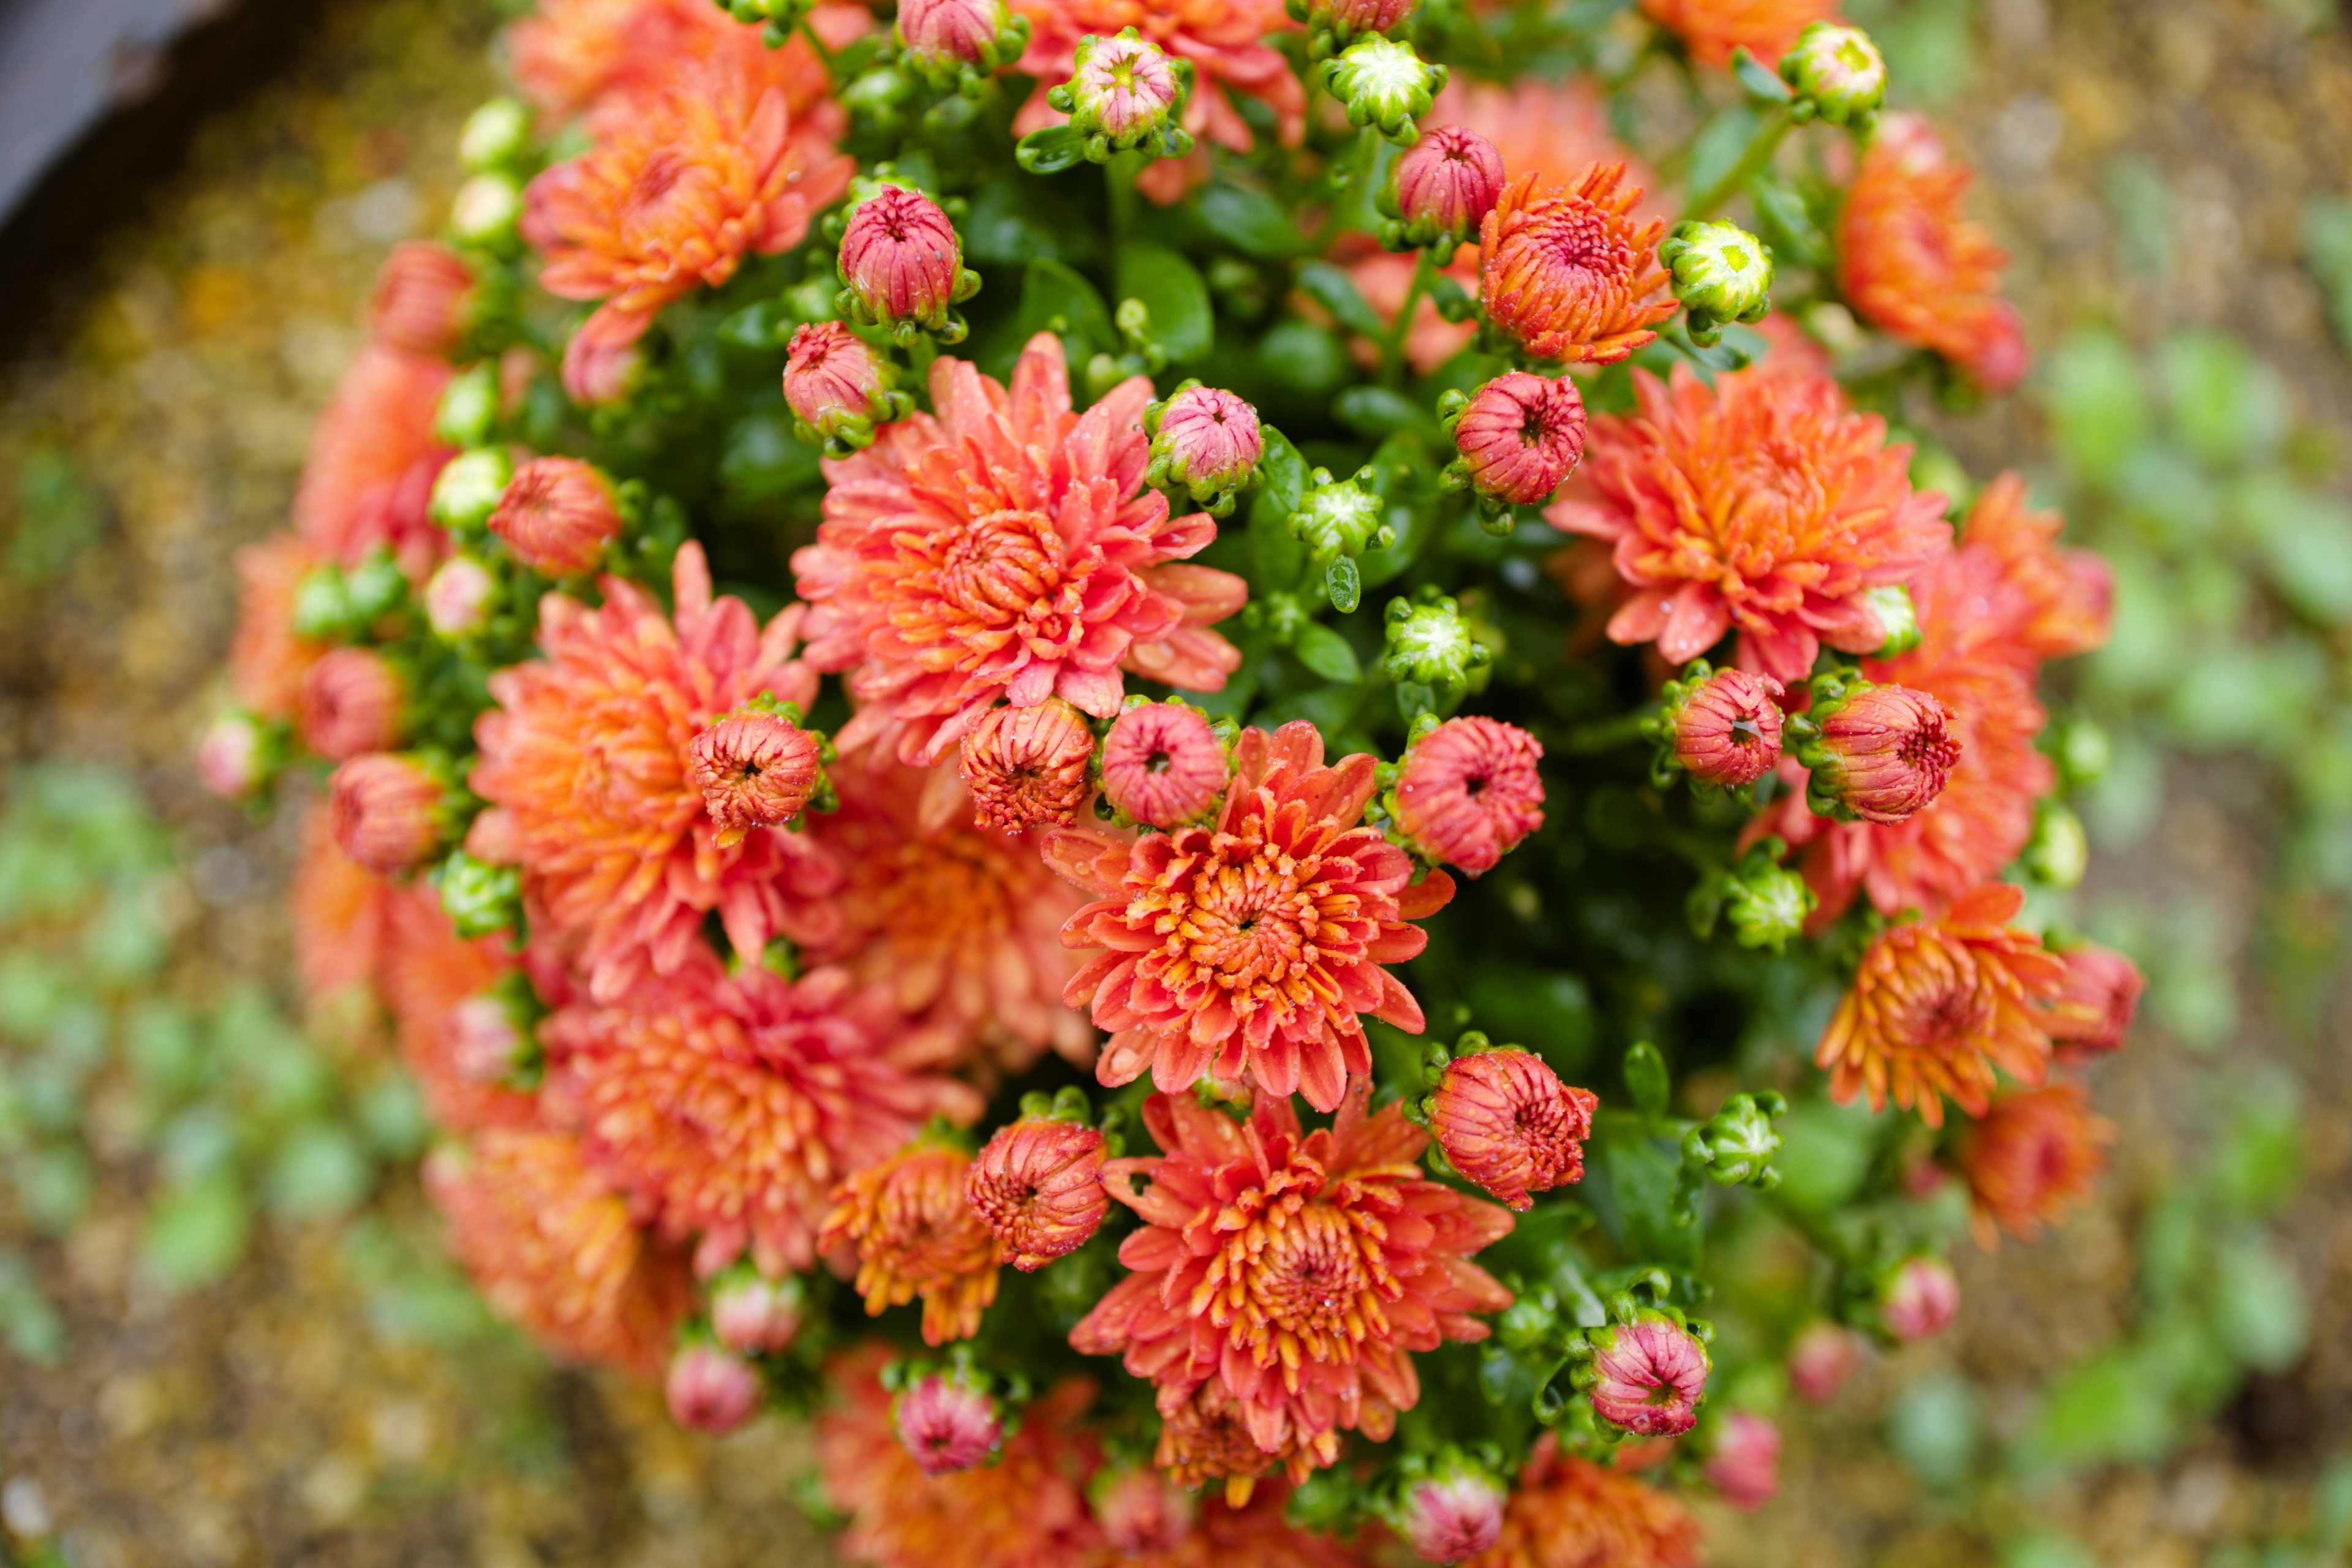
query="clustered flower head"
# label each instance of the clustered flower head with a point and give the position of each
(1519, 436)
(916, 1235)
(1207, 441)
(1881, 753)
(1163, 765)
(1026, 767)
(2031, 1154)
(1037, 1184)
(1509, 1125)
(902, 264)
(557, 515)
(1568, 273)
(1441, 189)
(1468, 792)
(1728, 727)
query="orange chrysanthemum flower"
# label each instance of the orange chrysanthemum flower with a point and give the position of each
(1251, 944)
(1007, 548)
(1938, 1005)
(728, 1106)
(2063, 599)
(1281, 1278)
(674, 193)
(429, 972)
(1763, 505)
(1711, 29)
(555, 1251)
(1912, 263)
(373, 458)
(267, 660)
(917, 1235)
(339, 911)
(1568, 272)
(574, 55)
(1568, 1513)
(960, 925)
(2035, 1153)
(585, 763)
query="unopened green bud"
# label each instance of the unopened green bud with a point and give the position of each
(496, 135)
(322, 606)
(1897, 614)
(1385, 84)
(479, 897)
(486, 211)
(468, 488)
(1737, 1145)
(1339, 520)
(1430, 643)
(470, 408)
(1125, 93)
(2060, 851)
(1767, 903)
(1721, 273)
(375, 588)
(1838, 75)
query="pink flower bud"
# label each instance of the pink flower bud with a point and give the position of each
(2096, 1002)
(1727, 732)
(1444, 185)
(1919, 1300)
(755, 1315)
(1884, 754)
(557, 515)
(1026, 767)
(1509, 1125)
(1469, 791)
(1745, 1468)
(231, 757)
(832, 379)
(711, 1390)
(1038, 1186)
(1124, 88)
(1349, 19)
(1448, 1518)
(1143, 1515)
(420, 299)
(755, 770)
(1648, 1377)
(1521, 436)
(459, 597)
(1162, 764)
(388, 812)
(937, 33)
(1206, 440)
(351, 702)
(488, 1043)
(1824, 1357)
(602, 360)
(901, 259)
(947, 1424)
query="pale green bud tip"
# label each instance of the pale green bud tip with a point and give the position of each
(1897, 615)
(1720, 269)
(1838, 70)
(486, 209)
(1385, 84)
(1431, 643)
(498, 132)
(469, 488)
(1766, 906)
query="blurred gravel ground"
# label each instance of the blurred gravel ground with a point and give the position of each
(298, 1414)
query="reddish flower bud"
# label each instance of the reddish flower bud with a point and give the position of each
(1468, 791)
(1648, 1376)
(755, 1315)
(1026, 767)
(233, 757)
(2035, 1152)
(1728, 732)
(947, 1424)
(940, 35)
(832, 380)
(458, 597)
(2097, 1001)
(1123, 87)
(490, 1042)
(1571, 273)
(351, 702)
(420, 299)
(1519, 436)
(1822, 1359)
(1038, 1185)
(557, 515)
(1509, 1125)
(1346, 19)
(711, 1390)
(1141, 1512)
(755, 769)
(1447, 1517)
(1919, 1298)
(1206, 440)
(1883, 753)
(1745, 1468)
(901, 259)
(1444, 185)
(1162, 764)
(388, 812)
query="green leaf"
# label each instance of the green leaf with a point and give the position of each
(1252, 221)
(763, 459)
(1332, 289)
(1173, 290)
(29, 1325)
(1934, 1428)
(1309, 360)
(2232, 406)
(1719, 147)
(2306, 542)
(1639, 1177)
(1375, 412)
(1645, 1078)
(1343, 583)
(1051, 150)
(1056, 299)
(1015, 221)
(2109, 1408)
(194, 1235)
(319, 1170)
(1759, 79)
(2098, 400)
(2260, 1313)
(1276, 559)
(1326, 654)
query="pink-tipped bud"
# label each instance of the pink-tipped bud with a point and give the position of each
(2096, 1002)
(711, 1390)
(420, 299)
(1519, 436)
(947, 1424)
(1821, 1360)
(1919, 1300)
(1123, 87)
(1026, 767)
(938, 35)
(1727, 732)
(752, 1314)
(490, 1043)
(232, 759)
(1038, 1185)
(458, 597)
(901, 259)
(558, 514)
(602, 361)
(1745, 1468)
(1509, 1125)
(1469, 790)
(1884, 754)
(832, 380)
(1447, 1517)
(755, 769)
(1347, 19)
(352, 703)
(1206, 440)
(1141, 1513)
(1444, 185)
(388, 812)
(1648, 1377)
(1162, 764)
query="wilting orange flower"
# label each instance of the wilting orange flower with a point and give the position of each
(585, 763)
(267, 661)
(1007, 548)
(1568, 272)
(1712, 28)
(573, 55)
(1938, 1005)
(1913, 264)
(728, 1106)
(1251, 944)
(674, 193)
(429, 972)
(339, 909)
(373, 458)
(554, 1250)
(1293, 1272)
(1762, 505)
(2036, 1152)
(916, 1235)
(960, 924)
(1568, 1513)
(2095, 1007)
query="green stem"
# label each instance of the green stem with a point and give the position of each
(1767, 142)
(1119, 175)
(825, 56)
(1424, 272)
(1606, 734)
